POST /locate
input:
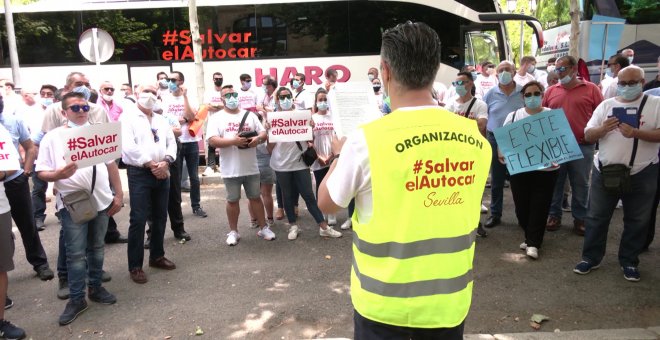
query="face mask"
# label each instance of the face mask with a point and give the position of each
(629, 92)
(246, 85)
(162, 84)
(264, 88)
(217, 82)
(505, 78)
(172, 86)
(460, 90)
(46, 101)
(371, 77)
(567, 79)
(286, 104)
(84, 90)
(156, 107)
(295, 84)
(531, 69)
(609, 73)
(630, 59)
(551, 68)
(147, 100)
(74, 125)
(533, 102)
(376, 88)
(322, 106)
(106, 97)
(474, 75)
(231, 103)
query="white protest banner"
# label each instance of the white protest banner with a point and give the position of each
(93, 144)
(290, 126)
(352, 105)
(9, 159)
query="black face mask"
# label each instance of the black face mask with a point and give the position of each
(376, 88)
(217, 82)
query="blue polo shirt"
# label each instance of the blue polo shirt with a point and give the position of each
(500, 105)
(19, 133)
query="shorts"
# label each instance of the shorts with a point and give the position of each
(266, 175)
(250, 184)
(6, 243)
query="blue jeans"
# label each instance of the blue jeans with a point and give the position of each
(636, 214)
(84, 245)
(578, 176)
(190, 152)
(149, 197)
(292, 183)
(497, 178)
(39, 188)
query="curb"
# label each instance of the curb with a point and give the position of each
(651, 333)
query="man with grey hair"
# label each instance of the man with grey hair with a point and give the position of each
(396, 293)
(627, 129)
(629, 53)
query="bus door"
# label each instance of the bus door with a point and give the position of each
(482, 43)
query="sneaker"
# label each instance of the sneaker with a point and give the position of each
(207, 172)
(101, 295)
(523, 246)
(8, 303)
(182, 235)
(266, 233)
(9, 331)
(484, 209)
(584, 267)
(533, 252)
(254, 224)
(329, 232)
(619, 204)
(293, 232)
(232, 238)
(481, 232)
(279, 213)
(199, 212)
(332, 219)
(631, 274)
(270, 222)
(63, 290)
(44, 273)
(346, 225)
(72, 310)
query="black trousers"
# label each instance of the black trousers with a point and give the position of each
(174, 201)
(532, 194)
(654, 210)
(366, 329)
(20, 201)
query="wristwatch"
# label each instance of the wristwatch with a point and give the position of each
(169, 160)
(331, 159)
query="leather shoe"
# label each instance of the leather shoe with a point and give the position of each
(553, 224)
(162, 263)
(578, 227)
(182, 235)
(138, 275)
(119, 239)
(492, 222)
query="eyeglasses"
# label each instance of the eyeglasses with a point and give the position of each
(76, 108)
(284, 96)
(150, 91)
(561, 69)
(231, 94)
(109, 89)
(155, 133)
(172, 80)
(81, 83)
(628, 83)
(535, 94)
(458, 82)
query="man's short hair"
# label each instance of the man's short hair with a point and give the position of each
(244, 77)
(159, 73)
(228, 86)
(270, 82)
(180, 74)
(465, 73)
(527, 59)
(69, 78)
(10, 84)
(620, 60)
(69, 95)
(302, 77)
(485, 64)
(552, 60)
(216, 74)
(412, 51)
(570, 60)
(48, 87)
(330, 72)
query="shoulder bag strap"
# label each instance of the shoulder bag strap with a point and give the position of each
(299, 146)
(636, 141)
(467, 112)
(93, 179)
(240, 126)
(297, 94)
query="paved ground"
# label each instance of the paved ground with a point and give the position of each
(299, 289)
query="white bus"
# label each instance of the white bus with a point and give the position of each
(641, 31)
(255, 37)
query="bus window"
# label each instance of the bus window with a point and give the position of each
(481, 46)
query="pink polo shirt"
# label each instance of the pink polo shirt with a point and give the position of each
(113, 111)
(578, 103)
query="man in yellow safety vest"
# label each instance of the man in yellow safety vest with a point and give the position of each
(417, 176)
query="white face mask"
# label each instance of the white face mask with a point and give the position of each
(147, 100)
(322, 106)
(107, 97)
(286, 104)
(231, 103)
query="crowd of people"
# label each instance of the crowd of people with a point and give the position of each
(161, 160)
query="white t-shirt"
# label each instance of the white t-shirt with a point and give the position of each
(174, 106)
(478, 111)
(522, 80)
(614, 148)
(605, 83)
(235, 162)
(247, 100)
(610, 90)
(303, 100)
(33, 116)
(323, 132)
(51, 158)
(484, 84)
(212, 96)
(287, 157)
(4, 203)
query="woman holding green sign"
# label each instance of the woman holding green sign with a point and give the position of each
(532, 191)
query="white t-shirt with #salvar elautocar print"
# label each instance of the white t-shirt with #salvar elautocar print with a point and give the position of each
(235, 162)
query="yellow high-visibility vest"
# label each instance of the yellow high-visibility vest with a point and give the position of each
(412, 262)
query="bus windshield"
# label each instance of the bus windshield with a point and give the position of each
(554, 13)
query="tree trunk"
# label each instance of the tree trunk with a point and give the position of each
(575, 30)
(197, 49)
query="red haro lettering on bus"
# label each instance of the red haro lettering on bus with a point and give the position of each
(312, 74)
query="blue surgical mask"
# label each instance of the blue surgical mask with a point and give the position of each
(232, 103)
(322, 106)
(74, 125)
(295, 84)
(162, 84)
(172, 86)
(533, 102)
(531, 69)
(609, 73)
(84, 90)
(629, 92)
(46, 101)
(565, 80)
(286, 104)
(505, 78)
(460, 90)
(474, 75)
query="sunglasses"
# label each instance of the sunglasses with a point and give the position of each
(155, 133)
(561, 69)
(110, 89)
(214, 79)
(284, 96)
(229, 95)
(172, 80)
(458, 82)
(535, 94)
(628, 83)
(76, 108)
